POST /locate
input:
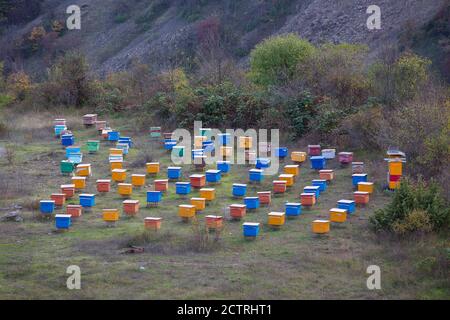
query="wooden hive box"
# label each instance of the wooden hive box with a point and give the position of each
(47, 206)
(395, 167)
(357, 167)
(152, 167)
(358, 177)
(63, 221)
(281, 152)
(138, 180)
(345, 157)
(255, 175)
(208, 193)
(131, 207)
(317, 162)
(103, 185)
(174, 173)
(79, 182)
(111, 215)
(213, 176)
(329, 153)
(87, 200)
(93, 146)
(361, 197)
(152, 223)
(154, 197)
(119, 175)
(198, 180)
(68, 190)
(326, 174)
(183, 188)
(161, 185)
(198, 141)
(250, 229)
(223, 166)
(308, 199)
(116, 164)
(365, 186)
(293, 209)
(214, 222)
(251, 202)
(321, 226)
(292, 169)
(265, 197)
(75, 210)
(67, 167)
(115, 152)
(262, 163)
(321, 183)
(314, 150)
(199, 203)
(155, 132)
(83, 170)
(59, 198)
(125, 189)
(238, 211)
(245, 142)
(89, 119)
(279, 186)
(100, 125)
(298, 156)
(239, 189)
(348, 205)
(186, 211)
(276, 219)
(59, 122)
(226, 152)
(338, 215)
(289, 178)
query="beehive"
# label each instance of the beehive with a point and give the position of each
(59, 128)
(186, 211)
(66, 166)
(281, 152)
(79, 182)
(314, 150)
(255, 175)
(250, 229)
(119, 175)
(169, 144)
(308, 199)
(245, 142)
(357, 167)
(63, 221)
(199, 203)
(116, 151)
(276, 219)
(89, 119)
(289, 178)
(361, 197)
(265, 197)
(116, 164)
(293, 209)
(87, 200)
(395, 168)
(74, 210)
(125, 140)
(208, 193)
(67, 140)
(131, 207)
(154, 197)
(214, 222)
(292, 169)
(103, 185)
(113, 135)
(110, 215)
(59, 198)
(321, 226)
(226, 152)
(93, 146)
(393, 184)
(100, 125)
(155, 132)
(198, 180)
(298, 156)
(238, 211)
(358, 177)
(348, 205)
(223, 166)
(345, 158)
(105, 133)
(279, 186)
(251, 202)
(262, 163)
(161, 185)
(239, 189)
(326, 174)
(365, 186)
(167, 135)
(59, 122)
(312, 189)
(152, 223)
(124, 147)
(83, 170)
(329, 154)
(47, 206)
(213, 176)
(338, 215)
(182, 188)
(125, 189)
(68, 190)
(317, 162)
(198, 141)
(152, 167)
(138, 180)
(321, 183)
(174, 173)
(250, 157)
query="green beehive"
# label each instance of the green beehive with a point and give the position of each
(93, 146)
(67, 167)
(155, 132)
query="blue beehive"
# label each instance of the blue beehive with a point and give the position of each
(75, 158)
(293, 209)
(223, 166)
(250, 229)
(126, 140)
(349, 205)
(59, 128)
(359, 177)
(63, 221)
(239, 190)
(256, 175)
(224, 139)
(213, 176)
(87, 200)
(197, 153)
(262, 163)
(183, 187)
(71, 150)
(322, 184)
(281, 152)
(169, 144)
(154, 196)
(174, 172)
(317, 162)
(251, 202)
(312, 189)
(47, 206)
(208, 146)
(124, 147)
(67, 140)
(113, 135)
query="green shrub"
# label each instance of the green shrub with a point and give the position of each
(299, 113)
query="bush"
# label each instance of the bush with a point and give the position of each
(415, 206)
(275, 60)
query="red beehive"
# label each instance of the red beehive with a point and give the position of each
(103, 185)
(152, 223)
(345, 157)
(214, 222)
(198, 180)
(68, 190)
(238, 211)
(314, 150)
(131, 207)
(308, 199)
(59, 198)
(279, 186)
(161, 185)
(265, 197)
(361, 197)
(326, 174)
(75, 210)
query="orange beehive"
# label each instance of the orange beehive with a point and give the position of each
(198, 180)
(138, 180)
(361, 197)
(79, 182)
(279, 186)
(365, 186)
(110, 215)
(116, 164)
(289, 178)
(152, 167)
(198, 141)
(119, 175)
(186, 211)
(131, 207)
(161, 185)
(298, 156)
(83, 170)
(115, 152)
(276, 219)
(238, 211)
(245, 142)
(199, 203)
(308, 199)
(326, 174)
(59, 198)
(321, 226)
(208, 193)
(214, 222)
(226, 152)
(125, 189)
(292, 169)
(103, 185)
(338, 215)
(68, 190)
(75, 210)
(152, 223)
(265, 197)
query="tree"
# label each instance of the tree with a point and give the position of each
(275, 60)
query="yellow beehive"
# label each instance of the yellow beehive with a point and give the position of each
(199, 203)
(79, 182)
(245, 142)
(152, 167)
(83, 170)
(208, 193)
(338, 215)
(395, 168)
(115, 152)
(198, 141)
(276, 218)
(298, 156)
(119, 175)
(292, 169)
(321, 226)
(138, 180)
(394, 184)
(125, 189)
(186, 211)
(111, 215)
(116, 164)
(365, 186)
(289, 178)
(226, 151)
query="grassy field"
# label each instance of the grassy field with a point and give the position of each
(290, 263)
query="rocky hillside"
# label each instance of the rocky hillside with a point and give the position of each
(167, 32)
